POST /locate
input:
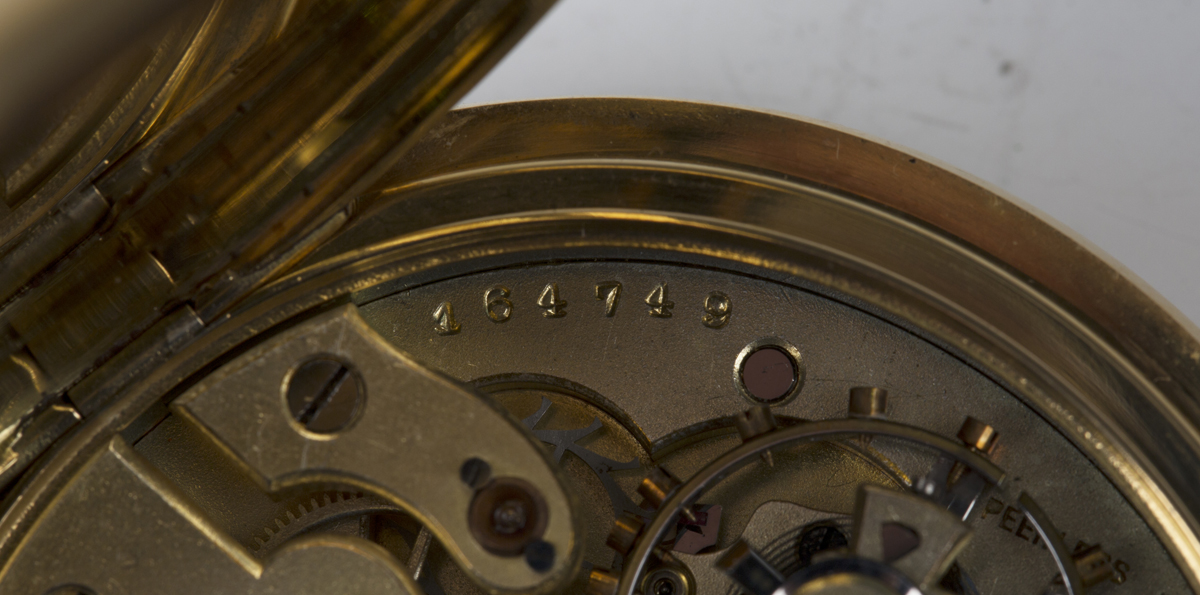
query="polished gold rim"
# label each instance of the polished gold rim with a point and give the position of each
(760, 194)
(985, 260)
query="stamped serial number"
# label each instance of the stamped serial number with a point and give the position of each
(499, 304)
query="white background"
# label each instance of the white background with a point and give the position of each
(1089, 111)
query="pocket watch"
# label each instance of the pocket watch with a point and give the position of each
(278, 321)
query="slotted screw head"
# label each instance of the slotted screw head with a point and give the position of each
(324, 395)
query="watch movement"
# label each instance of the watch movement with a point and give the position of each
(277, 321)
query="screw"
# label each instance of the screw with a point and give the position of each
(539, 555)
(663, 586)
(666, 580)
(324, 396)
(475, 472)
(509, 517)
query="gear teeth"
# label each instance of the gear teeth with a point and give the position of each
(565, 441)
(658, 485)
(625, 532)
(602, 582)
(295, 512)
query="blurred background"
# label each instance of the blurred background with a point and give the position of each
(1088, 111)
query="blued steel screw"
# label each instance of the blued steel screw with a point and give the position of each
(509, 517)
(539, 555)
(475, 472)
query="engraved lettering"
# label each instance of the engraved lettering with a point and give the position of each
(610, 292)
(1028, 533)
(1025, 524)
(660, 306)
(443, 316)
(1120, 568)
(717, 310)
(499, 307)
(555, 308)
(994, 506)
(1008, 521)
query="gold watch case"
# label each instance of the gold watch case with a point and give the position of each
(278, 321)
